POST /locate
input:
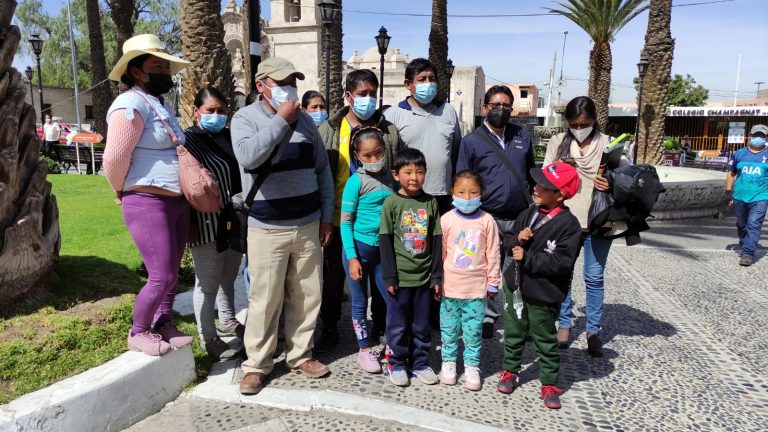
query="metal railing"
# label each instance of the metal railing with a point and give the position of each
(719, 142)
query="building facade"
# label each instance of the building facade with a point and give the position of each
(60, 102)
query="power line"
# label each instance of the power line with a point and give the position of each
(491, 16)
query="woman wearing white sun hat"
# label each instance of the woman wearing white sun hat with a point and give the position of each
(141, 165)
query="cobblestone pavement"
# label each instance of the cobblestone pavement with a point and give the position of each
(686, 344)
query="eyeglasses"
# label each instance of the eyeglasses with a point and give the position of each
(500, 105)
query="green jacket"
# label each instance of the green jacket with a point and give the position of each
(329, 132)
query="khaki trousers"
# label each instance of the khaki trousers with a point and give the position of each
(285, 267)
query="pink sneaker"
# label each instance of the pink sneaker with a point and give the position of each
(447, 374)
(369, 361)
(148, 342)
(173, 336)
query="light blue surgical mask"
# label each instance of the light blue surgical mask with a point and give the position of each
(757, 141)
(282, 94)
(213, 123)
(364, 107)
(425, 92)
(318, 117)
(466, 206)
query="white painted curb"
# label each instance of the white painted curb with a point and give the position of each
(219, 387)
(109, 397)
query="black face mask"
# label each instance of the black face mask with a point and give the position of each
(498, 117)
(158, 84)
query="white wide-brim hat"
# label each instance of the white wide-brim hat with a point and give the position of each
(140, 45)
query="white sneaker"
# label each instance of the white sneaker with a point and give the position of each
(447, 374)
(472, 378)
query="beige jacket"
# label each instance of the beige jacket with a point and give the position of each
(587, 165)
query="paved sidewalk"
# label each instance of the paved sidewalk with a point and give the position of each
(686, 343)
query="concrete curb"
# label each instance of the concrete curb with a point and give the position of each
(109, 397)
(219, 386)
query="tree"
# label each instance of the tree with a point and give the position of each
(601, 20)
(683, 91)
(336, 93)
(29, 217)
(202, 42)
(658, 51)
(102, 93)
(122, 12)
(438, 46)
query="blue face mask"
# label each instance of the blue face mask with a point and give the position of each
(466, 206)
(425, 92)
(757, 141)
(213, 123)
(364, 107)
(319, 117)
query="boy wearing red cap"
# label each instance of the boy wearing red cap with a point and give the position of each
(547, 238)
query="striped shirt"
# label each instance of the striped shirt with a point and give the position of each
(214, 152)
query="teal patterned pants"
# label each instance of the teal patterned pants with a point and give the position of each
(462, 316)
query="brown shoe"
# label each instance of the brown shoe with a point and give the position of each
(313, 369)
(252, 383)
(563, 338)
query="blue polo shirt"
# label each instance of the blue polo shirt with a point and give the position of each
(751, 171)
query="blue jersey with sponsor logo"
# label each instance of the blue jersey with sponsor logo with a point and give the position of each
(751, 171)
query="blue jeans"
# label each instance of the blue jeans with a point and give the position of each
(749, 222)
(370, 260)
(595, 257)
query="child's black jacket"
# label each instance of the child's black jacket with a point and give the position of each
(550, 255)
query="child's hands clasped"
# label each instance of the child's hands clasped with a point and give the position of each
(492, 291)
(525, 235)
(355, 269)
(517, 253)
(391, 289)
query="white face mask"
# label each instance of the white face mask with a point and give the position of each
(282, 94)
(582, 134)
(375, 167)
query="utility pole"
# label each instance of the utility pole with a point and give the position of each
(560, 82)
(254, 36)
(549, 86)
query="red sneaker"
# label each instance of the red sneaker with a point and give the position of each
(551, 396)
(508, 382)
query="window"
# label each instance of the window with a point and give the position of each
(524, 93)
(89, 112)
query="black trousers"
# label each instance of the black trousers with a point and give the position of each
(333, 282)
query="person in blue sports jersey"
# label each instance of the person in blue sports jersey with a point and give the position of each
(748, 181)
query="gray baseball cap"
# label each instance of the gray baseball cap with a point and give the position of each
(759, 129)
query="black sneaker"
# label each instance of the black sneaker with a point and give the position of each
(745, 261)
(594, 345)
(487, 330)
(327, 341)
(508, 382)
(551, 396)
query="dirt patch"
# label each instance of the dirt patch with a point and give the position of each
(35, 327)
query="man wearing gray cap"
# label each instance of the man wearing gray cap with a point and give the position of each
(748, 181)
(290, 221)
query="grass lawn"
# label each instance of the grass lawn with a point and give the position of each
(84, 319)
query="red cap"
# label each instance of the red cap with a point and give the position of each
(558, 176)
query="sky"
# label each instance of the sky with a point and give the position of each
(708, 41)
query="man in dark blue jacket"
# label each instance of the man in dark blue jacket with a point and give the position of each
(507, 193)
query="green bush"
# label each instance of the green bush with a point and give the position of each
(671, 144)
(54, 167)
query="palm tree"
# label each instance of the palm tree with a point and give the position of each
(29, 217)
(438, 46)
(658, 51)
(102, 94)
(202, 42)
(336, 93)
(122, 12)
(601, 20)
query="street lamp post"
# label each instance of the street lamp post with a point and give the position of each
(642, 68)
(759, 83)
(449, 68)
(382, 41)
(329, 10)
(37, 48)
(30, 73)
